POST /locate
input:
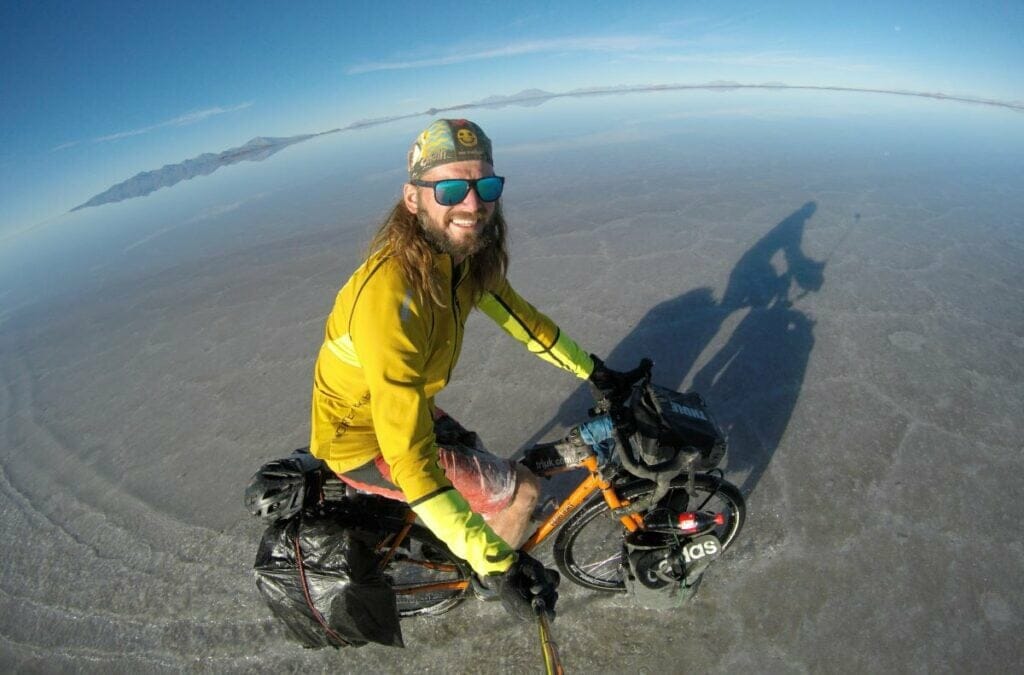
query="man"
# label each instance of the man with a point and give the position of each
(392, 341)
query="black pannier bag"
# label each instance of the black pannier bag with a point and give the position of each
(665, 570)
(668, 421)
(320, 576)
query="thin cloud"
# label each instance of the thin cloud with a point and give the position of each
(736, 20)
(180, 121)
(622, 43)
(772, 58)
(650, 48)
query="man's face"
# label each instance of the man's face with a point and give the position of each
(461, 229)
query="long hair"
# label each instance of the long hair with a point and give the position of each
(401, 238)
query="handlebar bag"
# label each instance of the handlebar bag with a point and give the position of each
(668, 421)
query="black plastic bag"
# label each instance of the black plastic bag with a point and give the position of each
(321, 577)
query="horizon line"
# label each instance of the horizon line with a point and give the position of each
(541, 95)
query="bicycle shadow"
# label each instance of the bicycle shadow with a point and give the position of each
(750, 374)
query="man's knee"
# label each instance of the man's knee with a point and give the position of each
(527, 487)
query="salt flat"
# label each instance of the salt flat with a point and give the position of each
(841, 275)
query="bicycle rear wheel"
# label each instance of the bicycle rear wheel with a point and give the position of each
(589, 548)
(428, 579)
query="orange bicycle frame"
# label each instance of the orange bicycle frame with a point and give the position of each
(593, 482)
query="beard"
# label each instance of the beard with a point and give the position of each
(437, 235)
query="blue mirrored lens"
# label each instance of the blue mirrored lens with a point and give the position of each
(489, 188)
(448, 192)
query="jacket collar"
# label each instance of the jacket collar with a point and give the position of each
(444, 264)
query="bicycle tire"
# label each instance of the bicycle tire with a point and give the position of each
(589, 548)
(428, 579)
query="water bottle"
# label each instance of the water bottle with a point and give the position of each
(691, 522)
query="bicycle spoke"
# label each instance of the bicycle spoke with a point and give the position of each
(705, 502)
(425, 578)
(597, 552)
(595, 568)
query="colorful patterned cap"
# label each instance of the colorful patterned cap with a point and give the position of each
(446, 141)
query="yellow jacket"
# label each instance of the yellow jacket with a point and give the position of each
(384, 357)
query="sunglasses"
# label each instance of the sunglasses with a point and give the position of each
(453, 190)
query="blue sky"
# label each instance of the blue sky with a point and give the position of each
(94, 92)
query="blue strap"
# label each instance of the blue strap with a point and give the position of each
(599, 434)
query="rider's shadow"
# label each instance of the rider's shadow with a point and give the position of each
(752, 381)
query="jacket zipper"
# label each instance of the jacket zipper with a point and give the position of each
(455, 318)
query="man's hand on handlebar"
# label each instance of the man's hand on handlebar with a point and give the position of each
(614, 384)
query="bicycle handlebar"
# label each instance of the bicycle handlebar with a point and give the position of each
(613, 402)
(641, 372)
(606, 400)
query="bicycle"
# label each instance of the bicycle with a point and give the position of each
(613, 528)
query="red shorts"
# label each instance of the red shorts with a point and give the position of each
(488, 482)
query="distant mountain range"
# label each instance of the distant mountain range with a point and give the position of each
(527, 97)
(262, 147)
(142, 184)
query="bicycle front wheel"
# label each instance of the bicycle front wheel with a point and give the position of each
(590, 550)
(427, 578)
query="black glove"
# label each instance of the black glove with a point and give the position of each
(608, 382)
(527, 580)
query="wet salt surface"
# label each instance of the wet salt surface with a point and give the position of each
(843, 283)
